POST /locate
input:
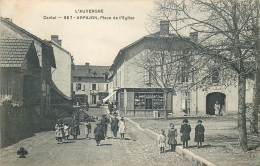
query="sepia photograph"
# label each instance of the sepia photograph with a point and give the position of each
(129, 82)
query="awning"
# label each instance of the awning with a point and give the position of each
(109, 96)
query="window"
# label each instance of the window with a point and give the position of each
(148, 76)
(106, 87)
(83, 89)
(78, 86)
(79, 78)
(94, 87)
(184, 75)
(106, 76)
(94, 99)
(215, 76)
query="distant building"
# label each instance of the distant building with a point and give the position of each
(90, 84)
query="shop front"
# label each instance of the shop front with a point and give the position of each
(143, 102)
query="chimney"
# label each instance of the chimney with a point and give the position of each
(194, 37)
(87, 64)
(8, 19)
(55, 39)
(164, 27)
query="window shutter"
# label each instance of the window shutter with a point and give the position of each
(96, 86)
(91, 87)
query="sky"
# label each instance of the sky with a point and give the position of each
(96, 41)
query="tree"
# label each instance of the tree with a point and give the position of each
(227, 38)
(163, 66)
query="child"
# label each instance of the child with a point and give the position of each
(87, 129)
(162, 141)
(172, 135)
(99, 134)
(199, 134)
(59, 131)
(122, 128)
(66, 131)
(185, 133)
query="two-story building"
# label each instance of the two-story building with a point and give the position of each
(137, 95)
(90, 84)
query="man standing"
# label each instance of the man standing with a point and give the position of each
(114, 126)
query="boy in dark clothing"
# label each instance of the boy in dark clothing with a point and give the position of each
(185, 133)
(99, 134)
(87, 129)
(199, 134)
(114, 126)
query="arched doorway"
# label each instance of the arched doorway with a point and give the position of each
(211, 100)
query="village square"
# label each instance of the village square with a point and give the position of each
(183, 92)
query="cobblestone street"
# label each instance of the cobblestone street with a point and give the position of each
(139, 148)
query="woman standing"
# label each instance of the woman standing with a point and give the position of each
(172, 135)
(199, 134)
(59, 131)
(185, 133)
(122, 127)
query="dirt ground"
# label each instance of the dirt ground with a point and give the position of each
(221, 145)
(139, 148)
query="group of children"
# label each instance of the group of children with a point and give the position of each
(185, 136)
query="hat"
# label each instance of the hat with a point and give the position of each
(171, 125)
(199, 121)
(98, 124)
(103, 115)
(122, 117)
(162, 130)
(185, 121)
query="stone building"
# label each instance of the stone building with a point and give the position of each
(44, 50)
(90, 84)
(137, 95)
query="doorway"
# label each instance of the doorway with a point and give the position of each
(148, 103)
(94, 99)
(211, 100)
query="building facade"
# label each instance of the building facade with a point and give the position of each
(62, 74)
(137, 95)
(90, 84)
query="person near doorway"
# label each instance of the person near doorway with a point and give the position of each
(122, 128)
(185, 132)
(217, 108)
(87, 105)
(87, 129)
(172, 135)
(199, 134)
(114, 126)
(99, 134)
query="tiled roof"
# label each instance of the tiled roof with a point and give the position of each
(49, 53)
(89, 71)
(13, 52)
